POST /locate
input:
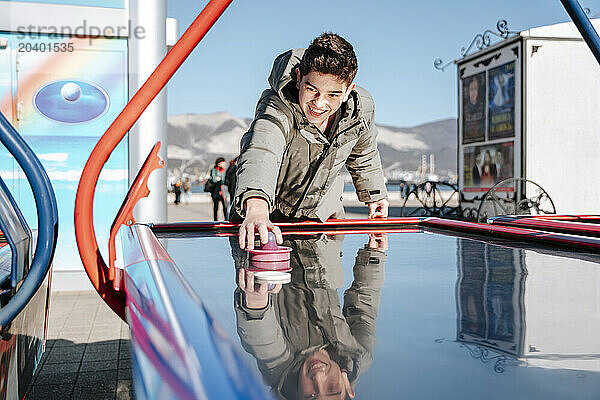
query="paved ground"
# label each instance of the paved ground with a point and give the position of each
(87, 353)
(200, 209)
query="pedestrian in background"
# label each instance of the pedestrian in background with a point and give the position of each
(217, 178)
(231, 178)
(177, 190)
(187, 190)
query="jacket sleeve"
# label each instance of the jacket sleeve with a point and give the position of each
(262, 337)
(213, 175)
(229, 176)
(364, 165)
(261, 152)
(361, 300)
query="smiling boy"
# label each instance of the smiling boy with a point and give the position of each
(308, 125)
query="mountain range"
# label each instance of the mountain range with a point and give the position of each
(196, 140)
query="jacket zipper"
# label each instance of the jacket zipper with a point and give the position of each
(318, 165)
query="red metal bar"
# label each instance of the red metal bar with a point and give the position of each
(331, 232)
(354, 231)
(587, 243)
(138, 190)
(555, 217)
(284, 226)
(563, 226)
(84, 202)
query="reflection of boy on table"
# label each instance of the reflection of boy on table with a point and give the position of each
(305, 344)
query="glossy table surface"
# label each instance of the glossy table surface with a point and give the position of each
(434, 316)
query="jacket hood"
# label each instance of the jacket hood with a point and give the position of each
(283, 71)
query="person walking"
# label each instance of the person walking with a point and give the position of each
(177, 190)
(231, 178)
(187, 190)
(217, 178)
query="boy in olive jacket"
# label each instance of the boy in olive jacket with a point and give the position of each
(311, 123)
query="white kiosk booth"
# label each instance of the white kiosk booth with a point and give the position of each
(529, 107)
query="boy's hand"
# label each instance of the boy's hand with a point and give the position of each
(378, 209)
(257, 218)
(257, 295)
(378, 241)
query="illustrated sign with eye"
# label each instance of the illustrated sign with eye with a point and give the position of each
(71, 102)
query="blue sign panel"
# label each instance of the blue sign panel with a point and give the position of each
(62, 102)
(71, 102)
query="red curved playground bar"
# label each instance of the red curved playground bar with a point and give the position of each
(84, 203)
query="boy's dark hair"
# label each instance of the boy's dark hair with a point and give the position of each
(330, 54)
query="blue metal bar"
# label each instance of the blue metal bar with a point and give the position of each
(17, 233)
(47, 213)
(584, 26)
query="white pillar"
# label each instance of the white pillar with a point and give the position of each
(147, 48)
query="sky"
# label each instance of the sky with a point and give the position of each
(395, 41)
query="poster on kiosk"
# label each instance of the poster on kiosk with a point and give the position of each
(490, 120)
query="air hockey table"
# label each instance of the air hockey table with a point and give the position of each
(401, 308)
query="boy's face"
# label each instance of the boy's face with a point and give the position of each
(321, 378)
(320, 96)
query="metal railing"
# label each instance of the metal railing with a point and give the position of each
(47, 216)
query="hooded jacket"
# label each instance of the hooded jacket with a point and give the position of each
(288, 162)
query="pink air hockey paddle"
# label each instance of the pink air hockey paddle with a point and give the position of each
(270, 252)
(270, 263)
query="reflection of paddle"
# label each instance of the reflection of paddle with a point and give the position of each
(255, 292)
